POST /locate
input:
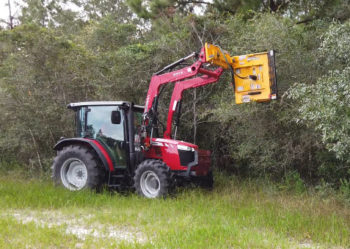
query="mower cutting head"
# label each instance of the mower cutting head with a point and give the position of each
(254, 75)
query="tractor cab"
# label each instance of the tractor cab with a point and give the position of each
(105, 124)
(113, 124)
(110, 130)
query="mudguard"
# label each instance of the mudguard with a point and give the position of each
(95, 145)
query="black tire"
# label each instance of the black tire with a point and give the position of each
(207, 182)
(152, 179)
(74, 161)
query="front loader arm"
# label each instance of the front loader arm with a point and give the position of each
(208, 78)
(253, 78)
(158, 79)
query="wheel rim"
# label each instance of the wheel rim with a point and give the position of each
(74, 174)
(150, 184)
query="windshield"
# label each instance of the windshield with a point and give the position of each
(95, 121)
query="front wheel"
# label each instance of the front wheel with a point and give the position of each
(152, 179)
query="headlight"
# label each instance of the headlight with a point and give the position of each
(184, 147)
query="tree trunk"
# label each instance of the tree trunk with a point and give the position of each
(10, 15)
(37, 150)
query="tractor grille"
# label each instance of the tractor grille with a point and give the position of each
(186, 157)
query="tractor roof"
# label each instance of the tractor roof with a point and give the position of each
(101, 103)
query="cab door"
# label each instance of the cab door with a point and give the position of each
(112, 136)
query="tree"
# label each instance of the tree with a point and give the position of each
(325, 106)
(40, 74)
(97, 9)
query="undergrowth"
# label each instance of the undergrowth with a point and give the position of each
(236, 214)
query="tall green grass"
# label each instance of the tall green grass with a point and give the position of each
(237, 214)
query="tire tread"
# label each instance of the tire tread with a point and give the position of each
(161, 169)
(88, 156)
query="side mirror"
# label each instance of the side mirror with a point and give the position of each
(115, 117)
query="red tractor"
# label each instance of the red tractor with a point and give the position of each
(117, 143)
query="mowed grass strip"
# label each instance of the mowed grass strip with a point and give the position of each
(237, 214)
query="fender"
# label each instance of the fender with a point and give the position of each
(95, 145)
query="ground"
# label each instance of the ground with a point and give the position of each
(236, 214)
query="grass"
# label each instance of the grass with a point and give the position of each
(237, 214)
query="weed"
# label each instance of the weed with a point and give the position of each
(325, 189)
(293, 182)
(345, 189)
(236, 214)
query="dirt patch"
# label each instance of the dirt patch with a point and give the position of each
(309, 244)
(79, 226)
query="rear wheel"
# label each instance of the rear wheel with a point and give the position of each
(76, 167)
(152, 179)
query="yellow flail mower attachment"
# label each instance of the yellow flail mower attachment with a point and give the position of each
(254, 75)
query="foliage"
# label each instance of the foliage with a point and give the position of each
(335, 46)
(324, 106)
(293, 182)
(345, 189)
(318, 109)
(40, 75)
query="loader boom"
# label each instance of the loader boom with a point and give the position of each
(180, 87)
(158, 79)
(253, 77)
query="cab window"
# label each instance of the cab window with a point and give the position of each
(98, 123)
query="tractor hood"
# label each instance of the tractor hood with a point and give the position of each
(165, 142)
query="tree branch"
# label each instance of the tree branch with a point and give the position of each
(194, 2)
(309, 19)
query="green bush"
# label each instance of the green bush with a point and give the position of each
(345, 189)
(325, 105)
(293, 182)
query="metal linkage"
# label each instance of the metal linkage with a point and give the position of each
(176, 63)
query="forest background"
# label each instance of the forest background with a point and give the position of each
(109, 49)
